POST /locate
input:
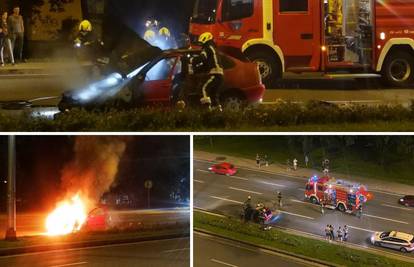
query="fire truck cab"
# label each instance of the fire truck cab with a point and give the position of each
(341, 38)
(336, 194)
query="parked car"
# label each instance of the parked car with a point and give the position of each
(224, 169)
(165, 80)
(407, 201)
(395, 240)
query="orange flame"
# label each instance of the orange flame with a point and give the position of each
(68, 217)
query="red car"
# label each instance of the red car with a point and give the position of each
(166, 80)
(98, 220)
(407, 201)
(224, 169)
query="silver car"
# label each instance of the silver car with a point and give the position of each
(395, 240)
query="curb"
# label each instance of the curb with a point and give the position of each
(46, 248)
(305, 258)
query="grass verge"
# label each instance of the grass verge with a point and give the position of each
(300, 245)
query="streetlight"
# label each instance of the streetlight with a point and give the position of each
(11, 190)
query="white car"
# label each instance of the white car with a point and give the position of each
(395, 240)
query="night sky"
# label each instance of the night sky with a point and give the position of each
(40, 159)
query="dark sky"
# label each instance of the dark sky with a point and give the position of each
(40, 159)
(174, 14)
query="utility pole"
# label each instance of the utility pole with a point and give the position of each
(11, 190)
(148, 185)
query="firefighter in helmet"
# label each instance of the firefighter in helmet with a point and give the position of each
(87, 42)
(166, 38)
(151, 32)
(210, 60)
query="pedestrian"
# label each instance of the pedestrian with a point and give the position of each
(266, 161)
(16, 32)
(258, 160)
(306, 160)
(5, 42)
(339, 233)
(345, 233)
(295, 164)
(332, 232)
(359, 211)
(322, 208)
(279, 198)
(328, 232)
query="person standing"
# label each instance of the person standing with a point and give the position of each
(306, 161)
(328, 232)
(279, 199)
(5, 42)
(258, 160)
(16, 32)
(346, 231)
(295, 164)
(332, 232)
(340, 233)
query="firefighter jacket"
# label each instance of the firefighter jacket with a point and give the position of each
(210, 59)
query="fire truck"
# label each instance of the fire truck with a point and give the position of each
(336, 194)
(338, 38)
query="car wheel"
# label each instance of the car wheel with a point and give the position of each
(398, 69)
(404, 250)
(378, 244)
(341, 208)
(269, 67)
(233, 102)
(314, 200)
(407, 205)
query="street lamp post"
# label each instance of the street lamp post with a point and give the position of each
(11, 191)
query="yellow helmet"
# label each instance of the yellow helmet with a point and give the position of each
(149, 35)
(164, 31)
(85, 26)
(205, 37)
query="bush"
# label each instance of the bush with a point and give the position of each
(282, 114)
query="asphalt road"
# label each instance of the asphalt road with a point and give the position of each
(210, 251)
(29, 87)
(226, 195)
(173, 252)
(29, 224)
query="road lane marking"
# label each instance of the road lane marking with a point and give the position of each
(297, 215)
(387, 193)
(203, 171)
(396, 207)
(301, 189)
(198, 181)
(71, 264)
(243, 190)
(273, 184)
(175, 250)
(302, 202)
(223, 263)
(207, 212)
(361, 229)
(385, 219)
(226, 199)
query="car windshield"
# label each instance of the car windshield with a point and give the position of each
(385, 234)
(205, 11)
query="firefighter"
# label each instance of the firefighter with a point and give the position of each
(210, 59)
(359, 211)
(88, 45)
(166, 38)
(86, 36)
(151, 32)
(247, 208)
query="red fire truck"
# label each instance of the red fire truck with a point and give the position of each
(336, 194)
(340, 38)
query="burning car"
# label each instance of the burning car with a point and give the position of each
(98, 219)
(223, 169)
(167, 79)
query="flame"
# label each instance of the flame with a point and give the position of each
(68, 217)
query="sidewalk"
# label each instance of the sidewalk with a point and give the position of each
(39, 67)
(373, 185)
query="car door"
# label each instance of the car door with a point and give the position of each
(157, 86)
(387, 242)
(97, 219)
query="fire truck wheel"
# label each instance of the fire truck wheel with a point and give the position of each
(341, 208)
(399, 69)
(270, 68)
(313, 200)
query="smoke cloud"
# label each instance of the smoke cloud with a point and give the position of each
(93, 170)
